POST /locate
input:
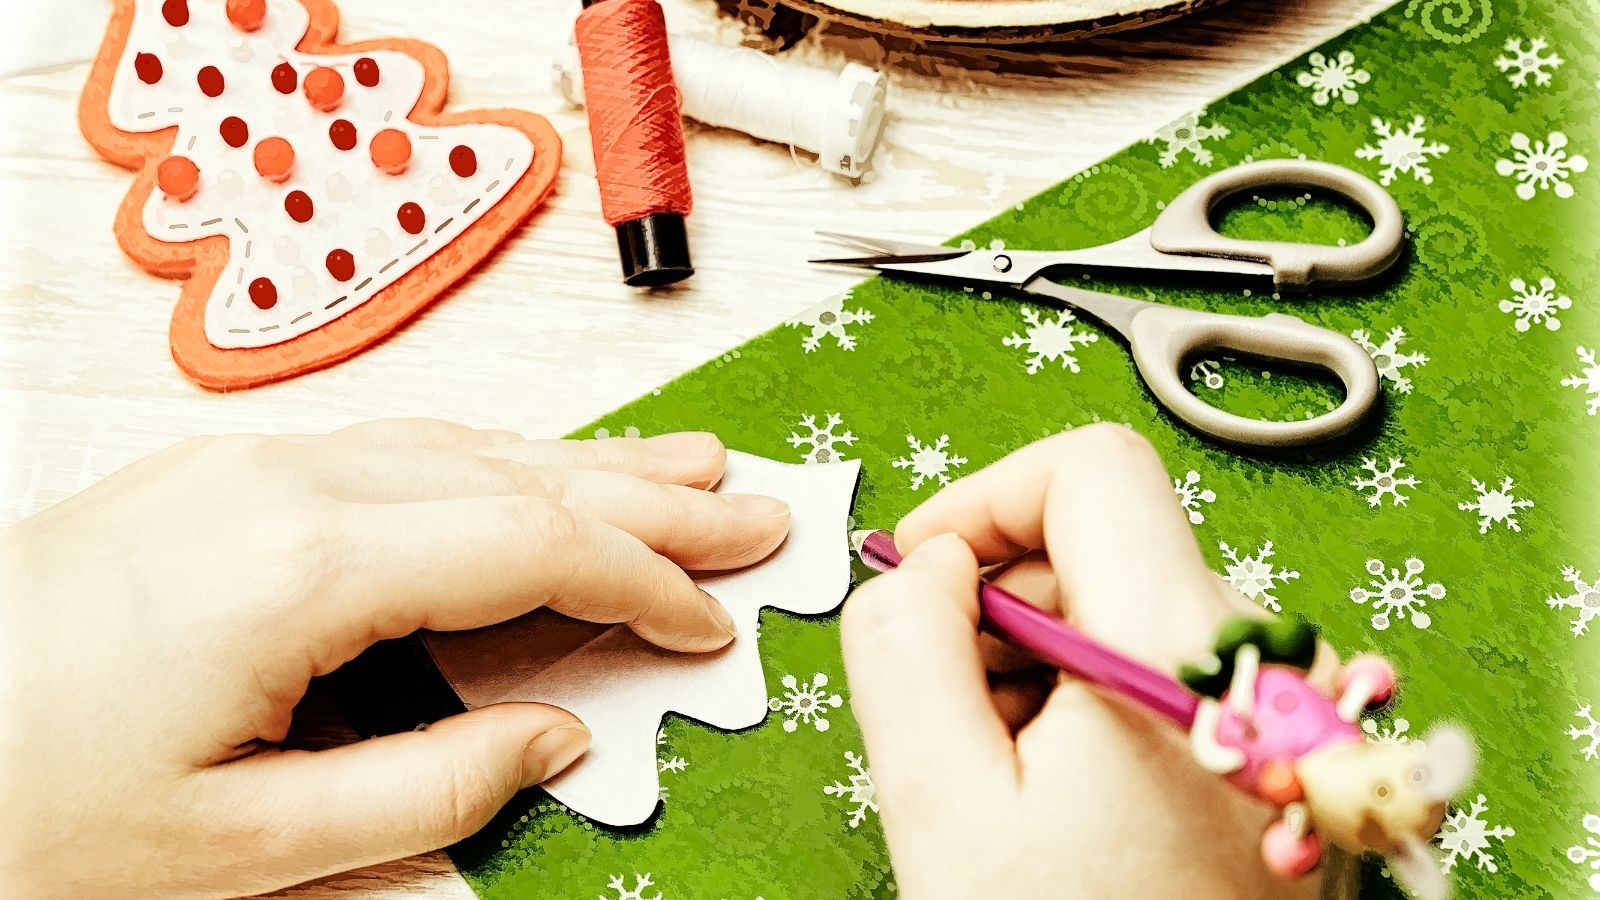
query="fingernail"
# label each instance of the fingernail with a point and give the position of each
(937, 546)
(720, 613)
(758, 505)
(685, 443)
(553, 751)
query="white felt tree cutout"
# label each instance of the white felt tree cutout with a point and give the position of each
(621, 686)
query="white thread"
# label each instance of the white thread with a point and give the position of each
(838, 116)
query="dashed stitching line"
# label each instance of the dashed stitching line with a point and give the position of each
(209, 222)
(239, 279)
(145, 115)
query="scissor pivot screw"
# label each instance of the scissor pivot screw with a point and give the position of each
(1002, 263)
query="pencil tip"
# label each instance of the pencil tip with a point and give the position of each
(858, 539)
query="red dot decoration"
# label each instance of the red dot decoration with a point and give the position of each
(176, 12)
(247, 15)
(284, 79)
(366, 70)
(463, 161)
(298, 206)
(147, 67)
(341, 265)
(391, 151)
(235, 133)
(324, 88)
(411, 217)
(263, 293)
(210, 81)
(342, 134)
(178, 177)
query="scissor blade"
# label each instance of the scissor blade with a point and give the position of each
(886, 252)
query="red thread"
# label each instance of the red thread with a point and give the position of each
(634, 119)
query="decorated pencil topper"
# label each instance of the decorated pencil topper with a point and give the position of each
(1272, 733)
(312, 196)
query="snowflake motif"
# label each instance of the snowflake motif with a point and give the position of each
(620, 885)
(1191, 495)
(929, 462)
(1400, 593)
(1591, 730)
(1497, 505)
(1536, 304)
(1585, 598)
(1580, 854)
(805, 702)
(821, 443)
(1465, 835)
(1587, 380)
(1384, 482)
(829, 319)
(1387, 356)
(1207, 372)
(1186, 135)
(1402, 151)
(631, 431)
(1538, 165)
(1254, 577)
(859, 791)
(1050, 341)
(1526, 61)
(1395, 733)
(1333, 78)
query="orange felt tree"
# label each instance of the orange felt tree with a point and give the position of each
(312, 196)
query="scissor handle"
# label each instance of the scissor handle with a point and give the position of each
(1163, 338)
(1184, 227)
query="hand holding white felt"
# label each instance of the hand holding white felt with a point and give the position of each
(160, 627)
(993, 778)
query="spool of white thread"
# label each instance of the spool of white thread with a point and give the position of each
(837, 116)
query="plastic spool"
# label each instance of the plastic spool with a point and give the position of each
(836, 116)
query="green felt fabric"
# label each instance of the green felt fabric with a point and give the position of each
(774, 813)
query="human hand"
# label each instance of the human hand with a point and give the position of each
(992, 782)
(161, 626)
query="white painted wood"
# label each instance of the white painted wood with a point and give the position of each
(546, 337)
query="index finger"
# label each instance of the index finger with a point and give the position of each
(1099, 501)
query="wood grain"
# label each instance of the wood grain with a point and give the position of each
(547, 337)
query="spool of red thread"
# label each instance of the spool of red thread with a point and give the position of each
(637, 132)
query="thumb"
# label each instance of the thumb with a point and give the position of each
(316, 813)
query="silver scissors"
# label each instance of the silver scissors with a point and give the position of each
(1163, 338)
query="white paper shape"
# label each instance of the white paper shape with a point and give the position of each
(621, 685)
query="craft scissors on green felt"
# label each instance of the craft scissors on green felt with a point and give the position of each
(1164, 338)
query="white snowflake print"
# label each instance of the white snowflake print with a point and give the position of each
(1050, 341)
(1387, 356)
(1465, 835)
(1535, 304)
(821, 444)
(1402, 152)
(1191, 495)
(829, 319)
(1402, 594)
(1587, 380)
(929, 462)
(1495, 505)
(1384, 482)
(1523, 62)
(666, 763)
(805, 702)
(1396, 733)
(1541, 165)
(1588, 853)
(859, 792)
(1186, 135)
(1585, 598)
(619, 884)
(630, 431)
(1590, 731)
(1254, 577)
(1207, 372)
(1333, 79)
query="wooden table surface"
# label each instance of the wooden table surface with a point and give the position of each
(547, 338)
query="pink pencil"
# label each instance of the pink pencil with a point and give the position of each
(1054, 641)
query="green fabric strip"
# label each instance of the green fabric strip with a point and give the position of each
(1479, 476)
